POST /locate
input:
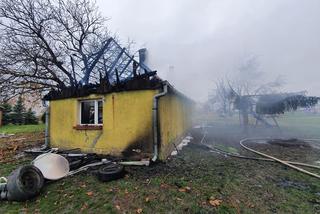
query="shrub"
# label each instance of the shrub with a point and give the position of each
(30, 117)
(7, 108)
(18, 112)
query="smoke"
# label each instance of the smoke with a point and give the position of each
(194, 43)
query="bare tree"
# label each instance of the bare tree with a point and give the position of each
(55, 44)
(249, 79)
(243, 87)
(221, 97)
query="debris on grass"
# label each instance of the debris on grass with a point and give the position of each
(4, 135)
(215, 202)
(183, 143)
(185, 189)
(89, 193)
(139, 210)
(118, 207)
(53, 166)
(228, 181)
(84, 206)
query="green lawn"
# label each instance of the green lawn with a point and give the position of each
(188, 182)
(16, 129)
(304, 125)
(243, 186)
(307, 125)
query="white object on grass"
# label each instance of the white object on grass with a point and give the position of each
(52, 166)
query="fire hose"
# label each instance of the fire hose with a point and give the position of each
(287, 163)
(269, 158)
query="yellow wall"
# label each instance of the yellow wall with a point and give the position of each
(127, 124)
(175, 119)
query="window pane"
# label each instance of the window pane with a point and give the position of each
(100, 112)
(87, 112)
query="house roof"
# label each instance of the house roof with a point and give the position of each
(141, 82)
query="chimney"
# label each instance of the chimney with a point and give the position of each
(142, 58)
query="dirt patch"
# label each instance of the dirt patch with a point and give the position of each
(285, 183)
(16, 144)
(281, 146)
(292, 142)
(291, 150)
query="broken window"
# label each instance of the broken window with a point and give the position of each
(91, 112)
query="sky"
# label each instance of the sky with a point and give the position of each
(206, 40)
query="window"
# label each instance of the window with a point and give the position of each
(91, 112)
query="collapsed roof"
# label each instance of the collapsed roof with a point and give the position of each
(139, 82)
(121, 73)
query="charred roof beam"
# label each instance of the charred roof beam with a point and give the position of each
(115, 61)
(128, 63)
(141, 64)
(89, 68)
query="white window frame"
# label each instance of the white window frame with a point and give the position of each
(96, 110)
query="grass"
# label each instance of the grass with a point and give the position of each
(306, 124)
(292, 123)
(16, 129)
(244, 186)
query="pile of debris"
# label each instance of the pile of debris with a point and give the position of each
(27, 181)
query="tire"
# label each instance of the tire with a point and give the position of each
(110, 172)
(24, 183)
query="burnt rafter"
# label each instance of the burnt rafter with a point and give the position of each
(90, 66)
(127, 64)
(55, 45)
(116, 75)
(119, 59)
(114, 63)
(141, 82)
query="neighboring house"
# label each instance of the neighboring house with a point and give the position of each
(1, 115)
(30, 100)
(140, 118)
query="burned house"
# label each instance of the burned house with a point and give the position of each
(137, 117)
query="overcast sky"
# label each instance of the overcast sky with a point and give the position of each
(207, 39)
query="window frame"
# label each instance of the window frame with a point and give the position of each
(96, 112)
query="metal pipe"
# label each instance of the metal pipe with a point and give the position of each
(83, 168)
(155, 120)
(47, 118)
(135, 163)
